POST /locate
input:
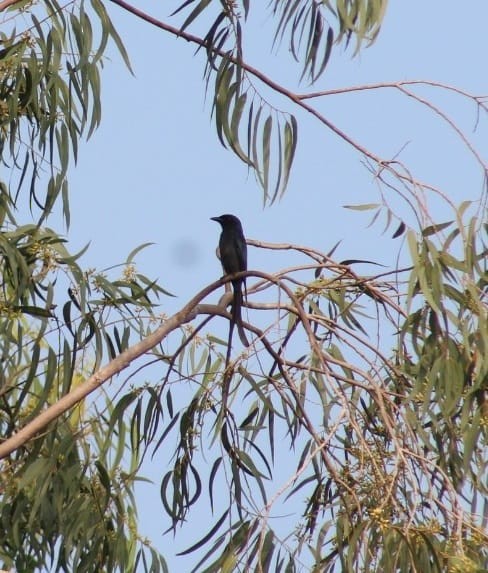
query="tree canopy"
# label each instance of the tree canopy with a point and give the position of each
(349, 436)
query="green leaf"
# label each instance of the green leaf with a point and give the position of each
(266, 146)
(234, 129)
(131, 256)
(35, 311)
(437, 228)
(291, 139)
(193, 14)
(208, 536)
(108, 26)
(363, 207)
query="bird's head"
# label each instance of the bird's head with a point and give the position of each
(228, 221)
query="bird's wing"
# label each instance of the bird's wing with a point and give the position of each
(241, 249)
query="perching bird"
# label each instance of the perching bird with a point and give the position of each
(233, 256)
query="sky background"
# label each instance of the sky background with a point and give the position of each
(156, 172)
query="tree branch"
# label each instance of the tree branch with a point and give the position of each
(299, 100)
(187, 313)
(6, 3)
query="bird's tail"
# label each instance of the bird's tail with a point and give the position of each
(237, 312)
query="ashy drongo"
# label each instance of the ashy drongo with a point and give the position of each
(233, 256)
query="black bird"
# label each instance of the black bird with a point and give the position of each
(233, 256)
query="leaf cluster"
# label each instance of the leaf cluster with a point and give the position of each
(49, 345)
(246, 121)
(50, 96)
(66, 503)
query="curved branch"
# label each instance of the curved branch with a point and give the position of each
(6, 3)
(383, 164)
(396, 85)
(251, 70)
(187, 313)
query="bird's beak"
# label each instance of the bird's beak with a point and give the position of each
(215, 219)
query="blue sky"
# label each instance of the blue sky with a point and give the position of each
(155, 171)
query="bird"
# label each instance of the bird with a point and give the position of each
(232, 253)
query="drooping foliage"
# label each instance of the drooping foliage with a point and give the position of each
(66, 501)
(350, 436)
